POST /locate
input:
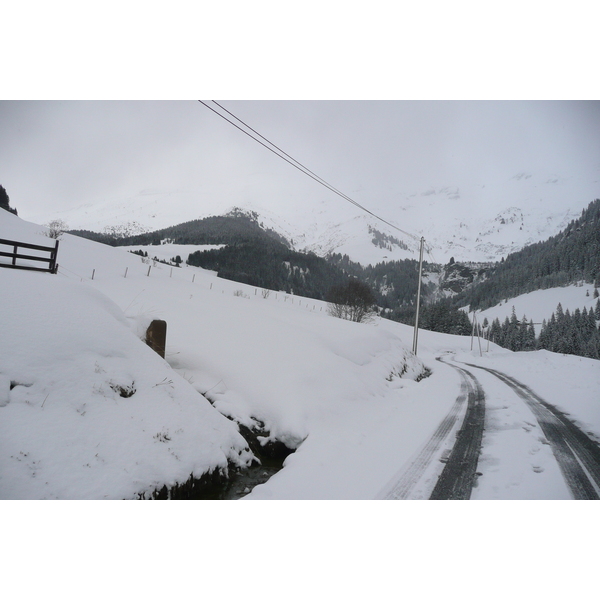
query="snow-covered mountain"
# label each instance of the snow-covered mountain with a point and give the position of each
(468, 222)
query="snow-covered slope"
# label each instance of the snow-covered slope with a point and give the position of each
(540, 305)
(470, 222)
(89, 411)
(344, 394)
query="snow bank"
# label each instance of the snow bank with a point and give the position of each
(86, 409)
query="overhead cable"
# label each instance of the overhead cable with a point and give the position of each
(296, 164)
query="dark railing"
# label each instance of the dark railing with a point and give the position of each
(15, 254)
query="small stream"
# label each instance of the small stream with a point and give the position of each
(271, 456)
(242, 483)
(216, 486)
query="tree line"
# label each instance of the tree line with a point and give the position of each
(394, 283)
(564, 332)
(271, 265)
(441, 316)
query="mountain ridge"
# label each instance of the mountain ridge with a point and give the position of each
(469, 222)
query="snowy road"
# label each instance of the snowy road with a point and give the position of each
(456, 479)
(519, 446)
(577, 455)
(460, 473)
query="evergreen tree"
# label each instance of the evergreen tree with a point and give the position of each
(513, 339)
(496, 332)
(577, 321)
(529, 342)
(544, 339)
(591, 327)
(5, 201)
(522, 335)
(592, 346)
(505, 333)
(552, 334)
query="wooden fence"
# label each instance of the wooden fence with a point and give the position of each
(16, 255)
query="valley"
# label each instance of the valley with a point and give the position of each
(350, 399)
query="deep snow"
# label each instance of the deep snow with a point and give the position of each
(540, 304)
(344, 394)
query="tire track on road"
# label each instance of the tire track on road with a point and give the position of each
(411, 476)
(459, 475)
(578, 456)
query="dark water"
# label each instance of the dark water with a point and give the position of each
(243, 482)
(216, 486)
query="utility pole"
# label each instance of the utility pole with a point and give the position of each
(416, 334)
(479, 340)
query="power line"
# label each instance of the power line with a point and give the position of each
(272, 144)
(298, 165)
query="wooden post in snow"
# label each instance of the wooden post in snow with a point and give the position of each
(156, 336)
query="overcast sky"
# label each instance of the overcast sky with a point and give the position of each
(57, 155)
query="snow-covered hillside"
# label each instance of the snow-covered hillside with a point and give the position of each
(540, 305)
(469, 222)
(87, 410)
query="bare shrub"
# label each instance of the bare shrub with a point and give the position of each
(353, 301)
(55, 229)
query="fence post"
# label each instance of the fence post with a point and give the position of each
(54, 256)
